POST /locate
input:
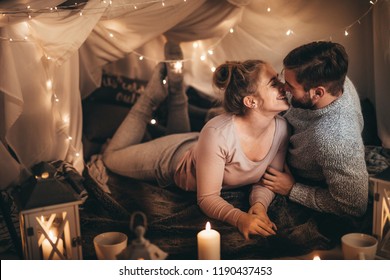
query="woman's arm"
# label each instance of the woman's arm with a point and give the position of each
(210, 167)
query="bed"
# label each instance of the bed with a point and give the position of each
(173, 216)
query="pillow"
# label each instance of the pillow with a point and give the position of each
(118, 90)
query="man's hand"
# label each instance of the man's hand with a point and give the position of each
(277, 181)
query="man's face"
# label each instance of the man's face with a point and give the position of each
(299, 97)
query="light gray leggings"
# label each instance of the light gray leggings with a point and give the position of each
(155, 160)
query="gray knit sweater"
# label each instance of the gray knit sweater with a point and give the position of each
(326, 156)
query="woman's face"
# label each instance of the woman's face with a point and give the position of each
(271, 96)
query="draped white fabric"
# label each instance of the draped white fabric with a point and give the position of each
(50, 62)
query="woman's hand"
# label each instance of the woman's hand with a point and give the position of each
(278, 182)
(259, 210)
(253, 224)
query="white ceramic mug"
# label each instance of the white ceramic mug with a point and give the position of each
(109, 244)
(359, 246)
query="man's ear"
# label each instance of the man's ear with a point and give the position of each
(317, 93)
(249, 101)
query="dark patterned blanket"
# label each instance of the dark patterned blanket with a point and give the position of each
(174, 219)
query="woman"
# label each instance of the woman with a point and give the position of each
(232, 150)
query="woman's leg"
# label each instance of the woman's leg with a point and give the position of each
(124, 148)
(133, 127)
(178, 119)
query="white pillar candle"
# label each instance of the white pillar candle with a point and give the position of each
(47, 247)
(209, 244)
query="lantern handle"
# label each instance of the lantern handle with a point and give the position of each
(132, 218)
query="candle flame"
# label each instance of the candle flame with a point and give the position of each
(208, 226)
(316, 258)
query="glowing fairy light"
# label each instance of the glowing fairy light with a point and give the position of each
(346, 33)
(178, 66)
(213, 69)
(231, 30)
(203, 57)
(66, 119)
(111, 35)
(268, 9)
(164, 82)
(153, 121)
(56, 99)
(289, 32)
(210, 52)
(141, 58)
(195, 45)
(49, 85)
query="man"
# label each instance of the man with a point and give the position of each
(326, 153)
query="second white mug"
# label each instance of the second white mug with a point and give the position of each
(359, 246)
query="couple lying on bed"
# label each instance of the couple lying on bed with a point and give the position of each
(319, 137)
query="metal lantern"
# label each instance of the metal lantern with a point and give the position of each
(381, 215)
(49, 219)
(141, 248)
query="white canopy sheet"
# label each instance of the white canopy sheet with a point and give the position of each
(52, 56)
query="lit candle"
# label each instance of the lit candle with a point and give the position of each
(316, 258)
(47, 247)
(209, 244)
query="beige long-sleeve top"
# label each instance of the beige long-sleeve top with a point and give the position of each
(217, 162)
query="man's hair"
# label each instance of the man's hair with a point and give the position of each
(319, 64)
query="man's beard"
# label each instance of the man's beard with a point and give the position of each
(304, 103)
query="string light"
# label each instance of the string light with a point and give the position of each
(178, 66)
(63, 126)
(358, 21)
(80, 8)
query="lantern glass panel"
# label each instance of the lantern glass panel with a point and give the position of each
(384, 242)
(52, 232)
(53, 235)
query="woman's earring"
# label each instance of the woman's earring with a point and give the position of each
(253, 105)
